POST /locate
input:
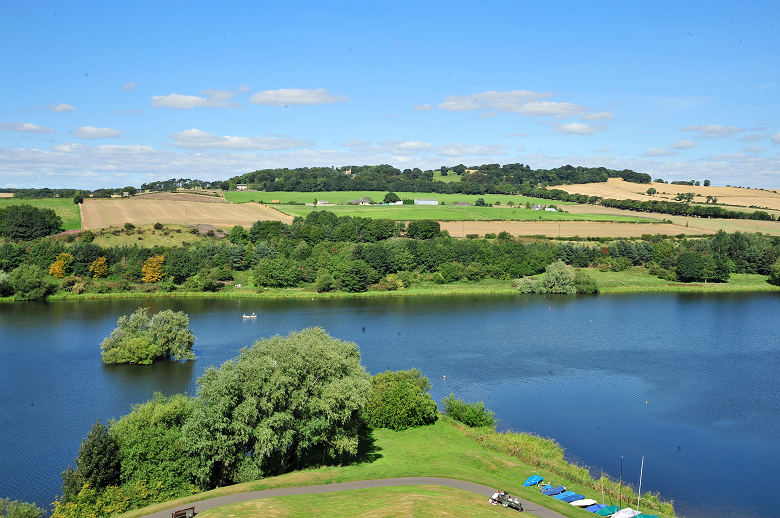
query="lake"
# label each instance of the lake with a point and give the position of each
(689, 381)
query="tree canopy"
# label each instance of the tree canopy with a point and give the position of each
(141, 339)
(400, 400)
(28, 222)
(284, 402)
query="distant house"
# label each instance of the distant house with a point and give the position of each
(461, 204)
(361, 201)
(423, 201)
(399, 202)
(323, 202)
(241, 187)
(548, 209)
(537, 207)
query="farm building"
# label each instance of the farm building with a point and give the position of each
(323, 202)
(241, 187)
(423, 201)
(361, 201)
(537, 207)
(548, 209)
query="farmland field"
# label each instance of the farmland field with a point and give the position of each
(142, 210)
(450, 213)
(344, 197)
(619, 189)
(555, 229)
(64, 207)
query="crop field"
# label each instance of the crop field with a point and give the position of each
(344, 197)
(143, 210)
(619, 189)
(554, 229)
(64, 207)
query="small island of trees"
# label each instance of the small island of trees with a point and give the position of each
(140, 339)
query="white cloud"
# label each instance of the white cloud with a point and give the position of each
(404, 148)
(601, 116)
(500, 101)
(91, 132)
(463, 150)
(128, 112)
(603, 150)
(521, 135)
(754, 137)
(754, 149)
(60, 108)
(422, 107)
(127, 87)
(550, 109)
(577, 128)
(653, 151)
(775, 138)
(197, 139)
(68, 148)
(213, 99)
(683, 144)
(739, 158)
(519, 148)
(488, 115)
(296, 97)
(713, 130)
(27, 127)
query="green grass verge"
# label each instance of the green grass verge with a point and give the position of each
(637, 279)
(450, 178)
(422, 501)
(344, 197)
(438, 450)
(450, 213)
(64, 207)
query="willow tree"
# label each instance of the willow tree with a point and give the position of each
(284, 402)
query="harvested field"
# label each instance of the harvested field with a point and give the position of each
(565, 228)
(619, 189)
(181, 196)
(6, 195)
(143, 210)
(706, 224)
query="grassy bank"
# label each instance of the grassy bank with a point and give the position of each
(63, 207)
(445, 449)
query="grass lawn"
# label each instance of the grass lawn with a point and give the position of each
(637, 279)
(64, 207)
(344, 197)
(450, 213)
(450, 178)
(384, 501)
(438, 450)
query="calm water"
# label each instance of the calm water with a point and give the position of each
(690, 382)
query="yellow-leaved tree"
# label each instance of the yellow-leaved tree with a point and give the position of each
(153, 269)
(61, 265)
(99, 267)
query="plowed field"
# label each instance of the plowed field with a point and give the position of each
(565, 228)
(143, 210)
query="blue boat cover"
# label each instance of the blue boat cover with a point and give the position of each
(563, 495)
(545, 487)
(554, 491)
(608, 510)
(533, 480)
(572, 498)
(595, 507)
(643, 515)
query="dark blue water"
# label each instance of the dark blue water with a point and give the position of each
(690, 382)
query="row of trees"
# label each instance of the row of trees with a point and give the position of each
(26, 222)
(684, 209)
(285, 403)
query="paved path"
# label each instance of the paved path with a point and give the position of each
(485, 491)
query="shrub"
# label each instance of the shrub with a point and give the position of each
(158, 226)
(5, 285)
(324, 281)
(28, 283)
(140, 339)
(470, 414)
(99, 268)
(129, 227)
(400, 400)
(153, 268)
(584, 283)
(62, 266)
(16, 509)
(354, 278)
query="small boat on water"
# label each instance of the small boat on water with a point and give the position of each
(250, 316)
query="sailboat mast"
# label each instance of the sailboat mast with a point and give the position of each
(639, 495)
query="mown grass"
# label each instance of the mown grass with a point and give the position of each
(450, 213)
(438, 450)
(344, 197)
(636, 279)
(64, 207)
(420, 501)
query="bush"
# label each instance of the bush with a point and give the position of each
(16, 509)
(584, 283)
(158, 226)
(29, 283)
(141, 340)
(324, 281)
(400, 400)
(470, 414)
(355, 277)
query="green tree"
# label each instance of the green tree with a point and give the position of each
(584, 283)
(354, 277)
(26, 222)
(651, 191)
(237, 235)
(324, 281)
(16, 509)
(558, 278)
(423, 229)
(400, 400)
(706, 183)
(391, 197)
(140, 339)
(286, 402)
(690, 267)
(278, 273)
(480, 202)
(470, 414)
(78, 198)
(97, 463)
(29, 283)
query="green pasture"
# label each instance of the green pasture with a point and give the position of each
(64, 207)
(450, 178)
(443, 449)
(344, 197)
(450, 213)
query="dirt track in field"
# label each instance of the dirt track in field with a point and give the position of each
(565, 228)
(619, 189)
(143, 210)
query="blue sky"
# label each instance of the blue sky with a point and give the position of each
(106, 94)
